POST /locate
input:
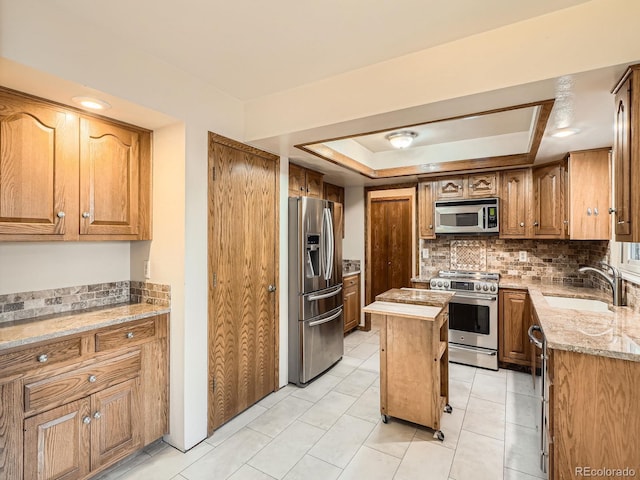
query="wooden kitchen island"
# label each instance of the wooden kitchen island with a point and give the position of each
(414, 358)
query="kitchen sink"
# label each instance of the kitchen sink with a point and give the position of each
(577, 303)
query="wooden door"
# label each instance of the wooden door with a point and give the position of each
(425, 210)
(390, 244)
(115, 424)
(589, 195)
(450, 188)
(514, 204)
(243, 259)
(482, 185)
(38, 168)
(622, 160)
(109, 176)
(549, 208)
(56, 443)
(514, 318)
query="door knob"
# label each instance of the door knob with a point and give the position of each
(271, 288)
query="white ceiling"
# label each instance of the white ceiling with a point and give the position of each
(249, 49)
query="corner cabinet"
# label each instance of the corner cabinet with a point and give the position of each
(351, 300)
(74, 406)
(425, 210)
(626, 156)
(66, 175)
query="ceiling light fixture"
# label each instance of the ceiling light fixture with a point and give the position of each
(92, 103)
(565, 132)
(401, 139)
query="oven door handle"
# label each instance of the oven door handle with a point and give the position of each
(491, 353)
(475, 296)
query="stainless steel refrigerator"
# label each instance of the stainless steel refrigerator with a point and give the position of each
(316, 338)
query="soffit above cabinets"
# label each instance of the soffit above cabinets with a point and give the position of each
(494, 139)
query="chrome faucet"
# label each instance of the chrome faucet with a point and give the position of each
(614, 280)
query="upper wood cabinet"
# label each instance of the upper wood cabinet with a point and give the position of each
(304, 182)
(626, 156)
(335, 194)
(65, 175)
(549, 206)
(515, 210)
(589, 176)
(473, 185)
(425, 210)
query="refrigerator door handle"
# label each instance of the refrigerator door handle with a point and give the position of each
(329, 243)
(326, 320)
(325, 295)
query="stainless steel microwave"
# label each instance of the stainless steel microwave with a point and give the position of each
(467, 216)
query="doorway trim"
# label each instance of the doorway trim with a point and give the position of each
(386, 193)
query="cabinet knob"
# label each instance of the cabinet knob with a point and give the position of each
(612, 210)
(86, 420)
(535, 224)
(129, 334)
(566, 222)
(589, 211)
(430, 227)
(271, 288)
(97, 415)
(522, 224)
(43, 358)
(595, 211)
(61, 214)
(92, 379)
(86, 214)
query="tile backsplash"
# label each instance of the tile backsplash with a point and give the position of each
(18, 306)
(553, 261)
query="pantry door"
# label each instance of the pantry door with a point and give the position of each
(243, 276)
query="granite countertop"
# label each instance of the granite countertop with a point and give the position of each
(348, 274)
(406, 310)
(416, 296)
(27, 331)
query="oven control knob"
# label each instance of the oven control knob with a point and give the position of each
(433, 283)
(439, 283)
(485, 287)
(446, 284)
(478, 286)
(492, 288)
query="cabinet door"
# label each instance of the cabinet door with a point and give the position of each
(589, 195)
(425, 210)
(622, 161)
(115, 426)
(450, 187)
(350, 308)
(314, 184)
(482, 185)
(514, 204)
(297, 181)
(109, 176)
(515, 319)
(335, 194)
(38, 168)
(56, 443)
(549, 203)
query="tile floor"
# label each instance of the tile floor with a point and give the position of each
(332, 430)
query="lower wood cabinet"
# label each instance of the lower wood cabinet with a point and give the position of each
(351, 297)
(514, 319)
(74, 418)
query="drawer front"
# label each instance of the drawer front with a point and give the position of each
(125, 336)
(40, 356)
(66, 387)
(351, 281)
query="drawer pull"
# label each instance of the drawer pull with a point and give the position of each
(43, 358)
(86, 420)
(92, 378)
(97, 415)
(130, 335)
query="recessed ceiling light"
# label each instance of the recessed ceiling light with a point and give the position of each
(92, 103)
(401, 139)
(565, 132)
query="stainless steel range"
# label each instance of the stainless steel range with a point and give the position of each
(473, 316)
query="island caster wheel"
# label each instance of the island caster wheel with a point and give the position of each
(439, 435)
(385, 419)
(448, 408)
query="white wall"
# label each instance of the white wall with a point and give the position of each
(44, 265)
(354, 234)
(34, 33)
